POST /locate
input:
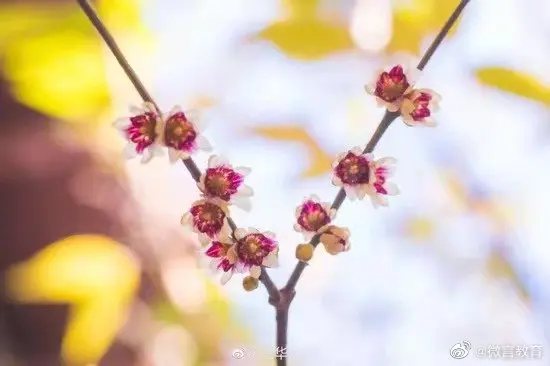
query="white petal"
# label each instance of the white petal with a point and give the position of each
(336, 181)
(213, 265)
(391, 188)
(244, 203)
(379, 200)
(226, 277)
(175, 109)
(255, 271)
(195, 116)
(136, 110)
(173, 155)
(240, 233)
(315, 198)
(253, 230)
(121, 124)
(243, 170)
(204, 239)
(203, 144)
(369, 156)
(350, 192)
(186, 219)
(213, 161)
(156, 150)
(271, 261)
(146, 156)
(386, 161)
(222, 160)
(270, 234)
(357, 150)
(129, 151)
(298, 228)
(394, 106)
(245, 191)
(370, 88)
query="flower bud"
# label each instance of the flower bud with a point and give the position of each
(304, 252)
(250, 283)
(335, 240)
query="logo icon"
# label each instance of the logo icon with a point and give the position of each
(461, 350)
(237, 353)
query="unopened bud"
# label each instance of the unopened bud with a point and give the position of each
(304, 252)
(335, 240)
(250, 283)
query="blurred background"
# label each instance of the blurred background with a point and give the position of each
(95, 265)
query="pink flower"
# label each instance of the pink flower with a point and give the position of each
(208, 218)
(418, 106)
(313, 217)
(253, 250)
(142, 131)
(392, 84)
(359, 174)
(218, 252)
(182, 134)
(223, 181)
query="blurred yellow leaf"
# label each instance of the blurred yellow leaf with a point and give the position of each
(414, 20)
(55, 59)
(320, 161)
(515, 82)
(305, 36)
(499, 267)
(94, 274)
(420, 228)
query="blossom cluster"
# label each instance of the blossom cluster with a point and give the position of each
(356, 172)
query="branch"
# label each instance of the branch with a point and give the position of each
(189, 163)
(387, 119)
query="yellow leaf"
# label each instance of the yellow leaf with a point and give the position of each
(515, 82)
(301, 7)
(319, 160)
(305, 36)
(55, 60)
(96, 275)
(420, 228)
(499, 267)
(414, 20)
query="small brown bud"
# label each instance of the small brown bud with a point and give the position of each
(304, 252)
(250, 283)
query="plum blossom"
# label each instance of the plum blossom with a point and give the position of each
(208, 218)
(418, 107)
(225, 182)
(182, 134)
(218, 251)
(142, 130)
(313, 216)
(392, 84)
(359, 175)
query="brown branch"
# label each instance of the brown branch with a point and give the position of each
(189, 163)
(387, 119)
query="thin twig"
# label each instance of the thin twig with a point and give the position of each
(189, 163)
(387, 119)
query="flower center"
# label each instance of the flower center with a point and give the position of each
(313, 216)
(222, 182)
(353, 170)
(208, 218)
(392, 85)
(142, 130)
(253, 248)
(179, 132)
